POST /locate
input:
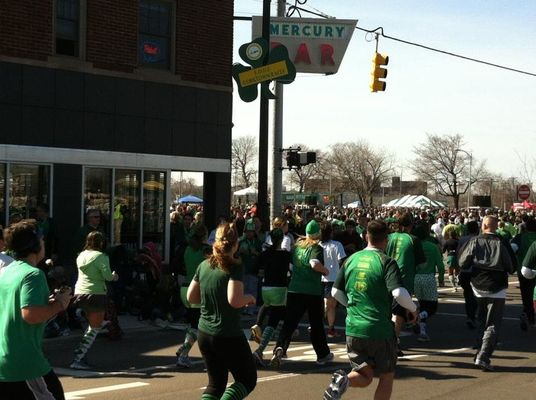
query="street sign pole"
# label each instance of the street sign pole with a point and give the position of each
(262, 197)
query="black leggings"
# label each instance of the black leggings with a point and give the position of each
(192, 316)
(274, 313)
(24, 390)
(297, 305)
(223, 355)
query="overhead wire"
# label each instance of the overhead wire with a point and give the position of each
(379, 31)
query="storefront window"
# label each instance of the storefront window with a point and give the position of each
(29, 186)
(127, 208)
(98, 194)
(154, 205)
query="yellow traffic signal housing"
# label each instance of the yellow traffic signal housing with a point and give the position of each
(378, 73)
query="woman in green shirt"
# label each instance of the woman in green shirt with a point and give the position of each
(218, 286)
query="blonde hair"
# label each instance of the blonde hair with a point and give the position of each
(222, 251)
(308, 241)
(279, 222)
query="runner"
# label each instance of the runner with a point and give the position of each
(24, 300)
(196, 252)
(217, 285)
(364, 285)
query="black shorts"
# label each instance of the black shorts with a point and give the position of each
(327, 286)
(400, 311)
(33, 389)
(380, 354)
(91, 302)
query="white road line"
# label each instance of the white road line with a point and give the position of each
(81, 394)
(434, 353)
(465, 316)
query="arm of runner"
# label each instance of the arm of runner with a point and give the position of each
(402, 297)
(193, 295)
(236, 296)
(318, 266)
(337, 291)
(528, 273)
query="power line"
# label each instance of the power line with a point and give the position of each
(379, 32)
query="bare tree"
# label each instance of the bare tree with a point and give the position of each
(361, 168)
(444, 163)
(527, 168)
(244, 155)
(300, 177)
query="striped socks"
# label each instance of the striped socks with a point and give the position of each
(236, 391)
(86, 343)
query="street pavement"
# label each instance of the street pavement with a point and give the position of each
(142, 364)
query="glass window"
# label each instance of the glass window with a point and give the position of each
(30, 185)
(127, 203)
(155, 33)
(98, 194)
(67, 27)
(154, 205)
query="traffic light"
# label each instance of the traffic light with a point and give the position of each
(293, 159)
(377, 85)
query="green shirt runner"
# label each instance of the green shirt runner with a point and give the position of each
(368, 277)
(218, 317)
(407, 250)
(306, 280)
(21, 354)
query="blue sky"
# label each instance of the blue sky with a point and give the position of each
(495, 110)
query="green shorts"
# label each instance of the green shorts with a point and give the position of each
(184, 291)
(274, 296)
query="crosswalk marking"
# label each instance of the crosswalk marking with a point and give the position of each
(81, 394)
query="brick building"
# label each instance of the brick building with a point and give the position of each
(101, 100)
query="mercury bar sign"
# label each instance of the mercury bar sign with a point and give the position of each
(314, 45)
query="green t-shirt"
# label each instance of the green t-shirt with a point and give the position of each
(368, 277)
(218, 317)
(21, 354)
(407, 251)
(192, 259)
(306, 280)
(524, 242)
(530, 261)
(434, 260)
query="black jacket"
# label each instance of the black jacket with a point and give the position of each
(489, 261)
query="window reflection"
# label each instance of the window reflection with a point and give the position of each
(154, 184)
(127, 207)
(98, 193)
(29, 186)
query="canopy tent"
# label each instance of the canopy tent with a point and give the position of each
(190, 199)
(354, 204)
(246, 192)
(414, 201)
(524, 206)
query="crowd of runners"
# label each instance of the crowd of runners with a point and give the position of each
(383, 266)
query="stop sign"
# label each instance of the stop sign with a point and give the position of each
(523, 192)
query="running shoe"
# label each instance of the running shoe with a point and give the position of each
(324, 360)
(275, 362)
(81, 365)
(257, 355)
(423, 337)
(484, 365)
(338, 385)
(184, 361)
(332, 333)
(256, 333)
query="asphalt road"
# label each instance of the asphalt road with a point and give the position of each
(141, 365)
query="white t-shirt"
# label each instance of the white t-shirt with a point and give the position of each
(5, 260)
(333, 254)
(286, 243)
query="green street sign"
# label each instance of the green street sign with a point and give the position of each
(265, 66)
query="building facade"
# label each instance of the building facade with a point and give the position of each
(101, 100)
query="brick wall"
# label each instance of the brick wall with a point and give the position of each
(204, 34)
(112, 34)
(26, 28)
(204, 41)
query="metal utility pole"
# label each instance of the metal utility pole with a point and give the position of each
(277, 139)
(262, 199)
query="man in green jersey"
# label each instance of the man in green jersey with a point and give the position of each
(407, 251)
(26, 307)
(364, 285)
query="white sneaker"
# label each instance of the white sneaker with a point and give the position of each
(81, 365)
(337, 387)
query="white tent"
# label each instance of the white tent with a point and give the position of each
(354, 204)
(414, 201)
(246, 191)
